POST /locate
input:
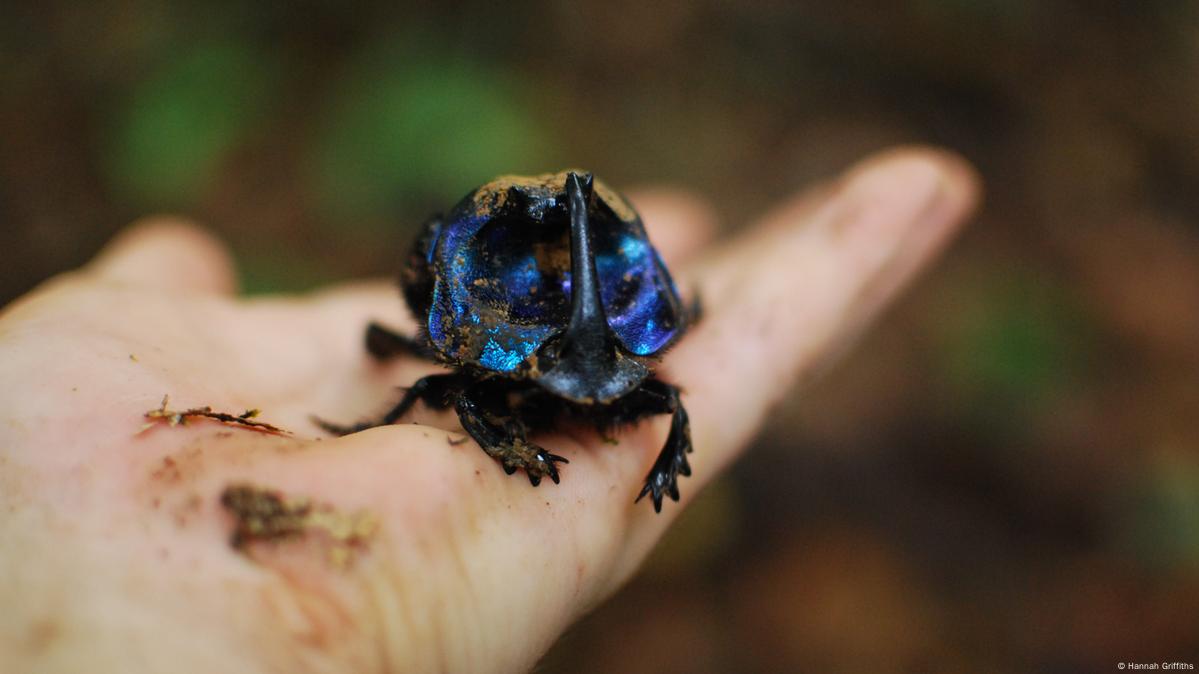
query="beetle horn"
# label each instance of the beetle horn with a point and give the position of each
(590, 366)
(588, 330)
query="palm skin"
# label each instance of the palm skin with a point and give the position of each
(113, 543)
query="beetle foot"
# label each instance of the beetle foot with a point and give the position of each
(504, 440)
(535, 461)
(663, 477)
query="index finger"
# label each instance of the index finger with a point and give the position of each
(782, 301)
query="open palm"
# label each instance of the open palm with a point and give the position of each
(113, 542)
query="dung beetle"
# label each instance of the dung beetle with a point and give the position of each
(545, 300)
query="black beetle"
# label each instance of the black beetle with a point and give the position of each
(546, 300)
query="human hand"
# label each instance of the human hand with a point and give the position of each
(114, 551)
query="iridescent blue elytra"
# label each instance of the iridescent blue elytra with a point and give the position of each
(502, 276)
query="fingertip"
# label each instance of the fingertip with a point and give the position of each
(168, 252)
(915, 197)
(906, 200)
(920, 168)
(963, 183)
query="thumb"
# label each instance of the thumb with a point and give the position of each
(167, 252)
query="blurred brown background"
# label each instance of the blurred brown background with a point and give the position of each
(1005, 475)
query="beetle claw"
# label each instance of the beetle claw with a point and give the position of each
(536, 462)
(543, 464)
(663, 477)
(550, 462)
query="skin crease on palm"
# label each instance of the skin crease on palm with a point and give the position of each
(114, 553)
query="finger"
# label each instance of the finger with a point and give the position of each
(169, 253)
(784, 300)
(784, 303)
(679, 222)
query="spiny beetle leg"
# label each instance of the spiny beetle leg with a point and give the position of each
(434, 390)
(663, 477)
(505, 442)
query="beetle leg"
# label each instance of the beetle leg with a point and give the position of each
(695, 311)
(487, 417)
(383, 343)
(434, 390)
(663, 477)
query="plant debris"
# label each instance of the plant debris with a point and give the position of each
(264, 514)
(177, 417)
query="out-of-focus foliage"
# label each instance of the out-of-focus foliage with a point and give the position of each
(176, 128)
(1004, 476)
(1163, 525)
(408, 123)
(1009, 345)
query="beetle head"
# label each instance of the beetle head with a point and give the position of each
(586, 362)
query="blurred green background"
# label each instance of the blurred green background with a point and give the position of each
(1005, 475)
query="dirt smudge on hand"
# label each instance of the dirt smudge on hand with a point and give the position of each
(263, 514)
